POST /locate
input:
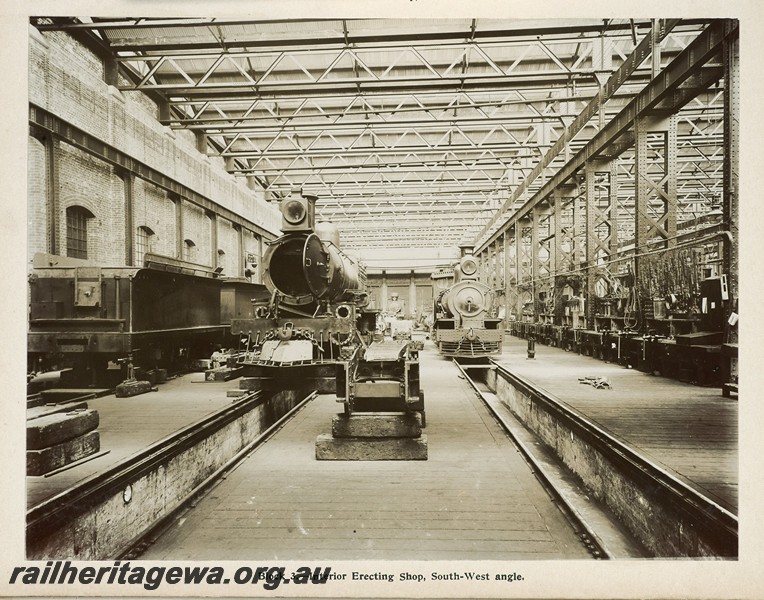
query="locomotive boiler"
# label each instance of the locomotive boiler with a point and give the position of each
(463, 324)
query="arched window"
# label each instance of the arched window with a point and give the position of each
(144, 243)
(77, 231)
(189, 250)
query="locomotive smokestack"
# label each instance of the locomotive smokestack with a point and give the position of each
(466, 249)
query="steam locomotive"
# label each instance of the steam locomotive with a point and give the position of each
(316, 330)
(462, 323)
(313, 316)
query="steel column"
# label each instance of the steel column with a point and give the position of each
(535, 263)
(383, 292)
(649, 225)
(412, 295)
(517, 270)
(52, 190)
(495, 266)
(601, 226)
(127, 181)
(241, 249)
(731, 159)
(508, 286)
(214, 256)
(178, 201)
(524, 260)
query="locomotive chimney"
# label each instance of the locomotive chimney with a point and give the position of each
(466, 249)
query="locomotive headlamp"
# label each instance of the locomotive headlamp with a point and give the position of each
(469, 266)
(294, 212)
(298, 213)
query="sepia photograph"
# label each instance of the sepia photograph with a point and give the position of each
(381, 300)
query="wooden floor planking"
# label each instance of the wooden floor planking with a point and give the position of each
(129, 425)
(474, 498)
(692, 431)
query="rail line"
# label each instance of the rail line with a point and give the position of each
(589, 538)
(92, 498)
(213, 480)
(661, 512)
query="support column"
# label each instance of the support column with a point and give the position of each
(261, 252)
(517, 271)
(178, 201)
(213, 239)
(508, 288)
(543, 280)
(412, 296)
(241, 250)
(601, 225)
(383, 292)
(653, 195)
(51, 162)
(534, 260)
(127, 182)
(731, 246)
(495, 266)
(524, 259)
(591, 245)
(565, 198)
(565, 227)
(578, 236)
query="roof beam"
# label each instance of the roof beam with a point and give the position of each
(661, 91)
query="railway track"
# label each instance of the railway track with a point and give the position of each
(130, 490)
(546, 472)
(662, 515)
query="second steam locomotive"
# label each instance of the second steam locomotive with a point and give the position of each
(462, 323)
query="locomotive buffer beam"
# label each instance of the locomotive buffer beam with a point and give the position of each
(384, 408)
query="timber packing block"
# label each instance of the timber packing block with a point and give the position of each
(408, 425)
(49, 459)
(332, 448)
(44, 410)
(60, 427)
(132, 388)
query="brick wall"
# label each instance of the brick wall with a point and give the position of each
(252, 246)
(67, 80)
(153, 209)
(197, 227)
(228, 242)
(91, 183)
